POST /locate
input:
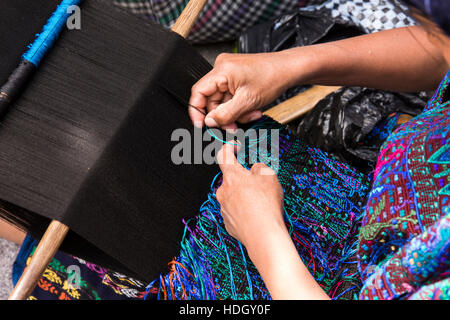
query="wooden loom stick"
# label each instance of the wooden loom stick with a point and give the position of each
(187, 18)
(49, 244)
(57, 231)
(300, 104)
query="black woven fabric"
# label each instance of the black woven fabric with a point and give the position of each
(20, 20)
(89, 142)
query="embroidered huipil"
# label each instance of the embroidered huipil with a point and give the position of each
(404, 243)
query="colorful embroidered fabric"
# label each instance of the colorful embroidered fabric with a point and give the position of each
(71, 278)
(322, 201)
(418, 270)
(436, 291)
(405, 234)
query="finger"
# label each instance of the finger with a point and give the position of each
(217, 99)
(197, 116)
(261, 169)
(228, 112)
(226, 159)
(250, 116)
(227, 96)
(214, 101)
(204, 88)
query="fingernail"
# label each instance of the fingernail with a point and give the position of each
(231, 130)
(210, 122)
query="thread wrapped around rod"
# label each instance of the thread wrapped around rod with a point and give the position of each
(33, 56)
(15, 84)
(50, 33)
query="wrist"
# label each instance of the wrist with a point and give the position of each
(281, 268)
(262, 249)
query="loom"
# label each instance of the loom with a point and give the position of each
(85, 136)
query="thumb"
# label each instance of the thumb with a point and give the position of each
(228, 112)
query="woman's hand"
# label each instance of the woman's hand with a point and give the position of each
(251, 200)
(252, 204)
(236, 88)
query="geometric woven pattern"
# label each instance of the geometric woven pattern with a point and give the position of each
(368, 15)
(408, 209)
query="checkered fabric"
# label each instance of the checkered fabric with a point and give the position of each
(139, 7)
(220, 20)
(223, 20)
(367, 15)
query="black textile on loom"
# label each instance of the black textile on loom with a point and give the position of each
(89, 143)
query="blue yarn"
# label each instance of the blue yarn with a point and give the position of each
(208, 129)
(49, 34)
(341, 294)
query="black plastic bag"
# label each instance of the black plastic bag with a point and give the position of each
(293, 30)
(353, 123)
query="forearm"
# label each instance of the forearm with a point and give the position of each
(400, 59)
(283, 272)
